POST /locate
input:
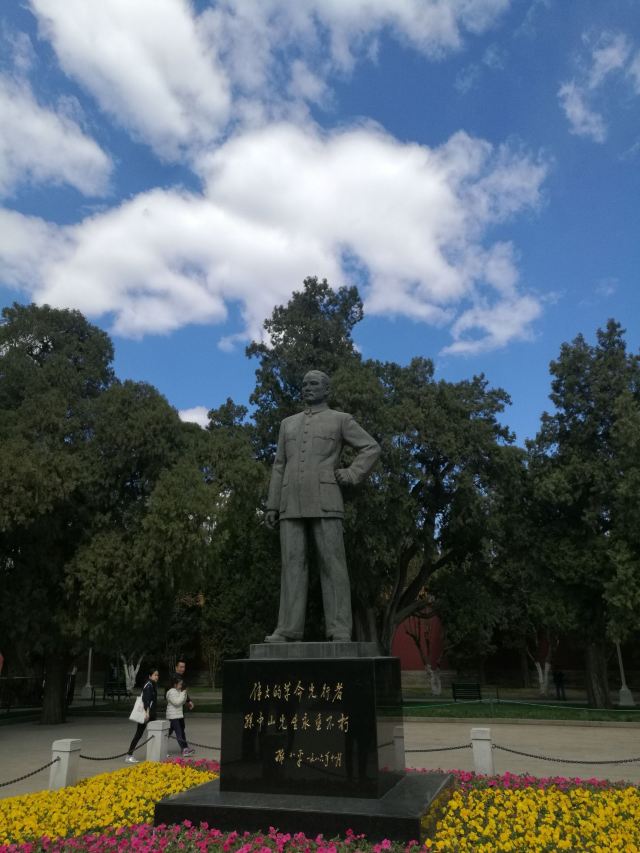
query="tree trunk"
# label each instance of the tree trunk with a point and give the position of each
(435, 682)
(365, 629)
(131, 672)
(54, 702)
(596, 672)
(543, 669)
(524, 668)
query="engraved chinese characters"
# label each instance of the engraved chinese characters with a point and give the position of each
(297, 719)
(299, 726)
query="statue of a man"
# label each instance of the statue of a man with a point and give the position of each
(305, 498)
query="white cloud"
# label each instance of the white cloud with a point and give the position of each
(494, 326)
(467, 78)
(197, 415)
(17, 47)
(176, 79)
(533, 19)
(494, 58)
(28, 246)
(607, 286)
(583, 121)
(307, 86)
(609, 53)
(147, 64)
(283, 202)
(250, 32)
(634, 72)
(42, 145)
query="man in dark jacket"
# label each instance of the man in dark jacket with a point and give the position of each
(305, 498)
(181, 667)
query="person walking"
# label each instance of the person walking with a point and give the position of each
(181, 668)
(558, 680)
(176, 699)
(150, 702)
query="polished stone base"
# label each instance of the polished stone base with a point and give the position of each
(343, 649)
(310, 726)
(407, 812)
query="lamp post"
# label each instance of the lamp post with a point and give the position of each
(625, 699)
(87, 690)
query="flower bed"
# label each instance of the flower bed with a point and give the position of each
(110, 800)
(486, 814)
(191, 839)
(492, 820)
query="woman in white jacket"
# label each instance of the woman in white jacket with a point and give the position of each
(176, 697)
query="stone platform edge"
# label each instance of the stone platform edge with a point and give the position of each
(322, 650)
(409, 811)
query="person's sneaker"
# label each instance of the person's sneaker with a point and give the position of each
(131, 760)
(187, 752)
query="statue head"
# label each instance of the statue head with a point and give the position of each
(315, 387)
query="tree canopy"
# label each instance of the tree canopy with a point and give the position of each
(103, 504)
(122, 525)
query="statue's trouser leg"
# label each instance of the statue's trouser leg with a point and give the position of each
(294, 581)
(334, 577)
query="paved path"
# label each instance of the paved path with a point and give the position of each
(584, 742)
(26, 746)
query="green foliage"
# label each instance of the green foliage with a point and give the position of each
(241, 582)
(104, 505)
(125, 528)
(426, 505)
(313, 331)
(584, 466)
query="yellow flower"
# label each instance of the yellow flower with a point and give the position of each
(120, 798)
(536, 820)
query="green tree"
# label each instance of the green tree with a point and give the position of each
(584, 465)
(425, 507)
(104, 505)
(240, 588)
(312, 331)
(53, 366)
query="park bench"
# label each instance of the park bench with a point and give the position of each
(467, 691)
(115, 689)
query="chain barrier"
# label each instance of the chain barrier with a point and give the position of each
(441, 748)
(112, 757)
(204, 746)
(27, 775)
(559, 705)
(565, 760)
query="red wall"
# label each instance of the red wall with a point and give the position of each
(404, 647)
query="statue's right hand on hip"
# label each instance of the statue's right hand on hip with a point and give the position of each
(271, 518)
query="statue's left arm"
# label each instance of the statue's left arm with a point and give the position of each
(367, 447)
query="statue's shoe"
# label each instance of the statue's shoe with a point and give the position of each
(276, 638)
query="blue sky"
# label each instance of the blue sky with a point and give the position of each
(175, 169)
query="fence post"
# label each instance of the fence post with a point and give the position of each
(157, 747)
(65, 771)
(398, 749)
(482, 751)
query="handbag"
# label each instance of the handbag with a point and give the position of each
(138, 714)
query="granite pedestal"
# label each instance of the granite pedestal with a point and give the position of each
(307, 745)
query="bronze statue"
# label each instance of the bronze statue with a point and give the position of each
(306, 500)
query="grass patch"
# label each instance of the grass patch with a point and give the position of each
(493, 709)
